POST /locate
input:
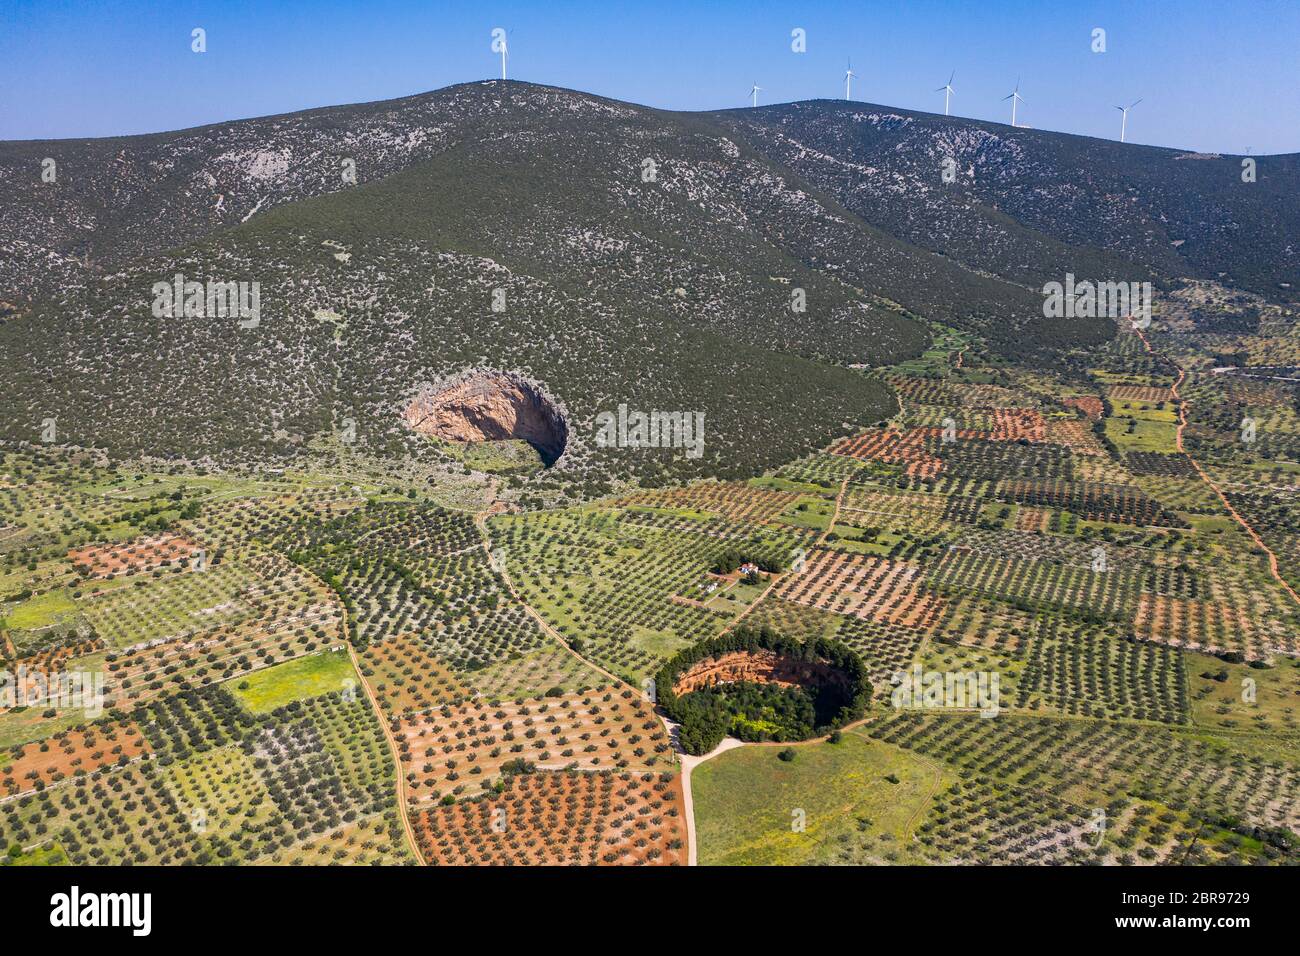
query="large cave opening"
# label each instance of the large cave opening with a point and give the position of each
(491, 406)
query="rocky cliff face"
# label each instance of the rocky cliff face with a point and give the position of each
(490, 406)
(758, 667)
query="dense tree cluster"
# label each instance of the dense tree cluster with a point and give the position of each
(764, 712)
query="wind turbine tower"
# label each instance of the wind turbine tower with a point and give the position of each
(753, 94)
(1015, 97)
(947, 91)
(848, 81)
(1123, 123)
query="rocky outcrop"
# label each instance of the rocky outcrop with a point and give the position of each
(758, 667)
(490, 406)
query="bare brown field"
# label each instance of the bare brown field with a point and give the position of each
(896, 448)
(1017, 424)
(406, 677)
(144, 554)
(1198, 625)
(38, 765)
(1090, 405)
(466, 745)
(567, 818)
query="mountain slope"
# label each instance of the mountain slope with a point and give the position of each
(634, 257)
(1028, 204)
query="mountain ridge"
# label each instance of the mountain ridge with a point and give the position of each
(641, 255)
(740, 110)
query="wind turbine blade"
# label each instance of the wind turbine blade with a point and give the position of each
(1134, 103)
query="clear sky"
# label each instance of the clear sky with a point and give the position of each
(1214, 75)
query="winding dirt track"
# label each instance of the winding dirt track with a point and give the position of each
(1178, 443)
(777, 578)
(392, 746)
(383, 722)
(480, 521)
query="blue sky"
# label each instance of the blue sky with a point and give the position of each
(1212, 74)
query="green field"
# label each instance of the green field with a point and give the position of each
(296, 680)
(809, 512)
(1152, 431)
(43, 610)
(500, 456)
(51, 854)
(745, 802)
(1221, 696)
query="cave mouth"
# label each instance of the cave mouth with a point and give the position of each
(488, 406)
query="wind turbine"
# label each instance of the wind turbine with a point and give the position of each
(1123, 123)
(947, 91)
(848, 81)
(753, 93)
(1015, 97)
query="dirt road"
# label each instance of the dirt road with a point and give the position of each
(1178, 443)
